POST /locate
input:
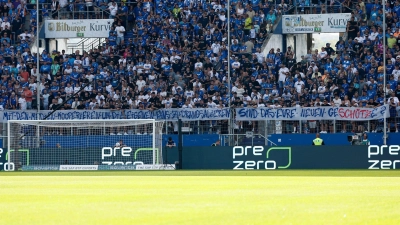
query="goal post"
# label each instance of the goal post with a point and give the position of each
(84, 144)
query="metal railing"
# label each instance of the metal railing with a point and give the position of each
(85, 45)
(324, 7)
(76, 14)
(249, 139)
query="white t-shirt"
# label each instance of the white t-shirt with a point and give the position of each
(321, 89)
(147, 67)
(189, 93)
(260, 57)
(322, 55)
(68, 71)
(211, 105)
(76, 89)
(197, 84)
(360, 39)
(396, 100)
(337, 102)
(113, 9)
(167, 103)
(24, 35)
(372, 36)
(116, 97)
(236, 65)
(396, 74)
(282, 73)
(198, 65)
(120, 31)
(298, 85)
(22, 103)
(88, 88)
(246, 99)
(140, 84)
(77, 62)
(32, 86)
(253, 33)
(46, 99)
(240, 92)
(3, 25)
(69, 90)
(63, 3)
(215, 47)
(189, 106)
(99, 97)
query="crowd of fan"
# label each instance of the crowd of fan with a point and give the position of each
(177, 57)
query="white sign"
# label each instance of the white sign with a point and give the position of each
(78, 167)
(313, 113)
(315, 23)
(155, 167)
(161, 114)
(77, 28)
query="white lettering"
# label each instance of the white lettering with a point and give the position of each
(9, 166)
(238, 164)
(372, 167)
(104, 154)
(271, 162)
(371, 152)
(257, 150)
(249, 165)
(125, 151)
(385, 164)
(245, 149)
(112, 152)
(394, 149)
(235, 153)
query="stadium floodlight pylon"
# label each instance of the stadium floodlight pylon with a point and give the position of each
(51, 144)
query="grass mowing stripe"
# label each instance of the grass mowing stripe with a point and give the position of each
(126, 199)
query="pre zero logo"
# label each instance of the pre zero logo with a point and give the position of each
(376, 153)
(251, 157)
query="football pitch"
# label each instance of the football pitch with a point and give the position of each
(201, 197)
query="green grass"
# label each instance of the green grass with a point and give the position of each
(201, 197)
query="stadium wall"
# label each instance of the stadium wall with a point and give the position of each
(297, 157)
(215, 158)
(330, 139)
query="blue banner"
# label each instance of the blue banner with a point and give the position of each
(312, 113)
(162, 114)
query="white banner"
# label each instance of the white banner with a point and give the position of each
(77, 28)
(155, 167)
(313, 113)
(315, 23)
(162, 114)
(78, 167)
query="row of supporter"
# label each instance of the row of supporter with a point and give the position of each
(176, 56)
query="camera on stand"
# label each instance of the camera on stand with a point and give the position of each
(355, 139)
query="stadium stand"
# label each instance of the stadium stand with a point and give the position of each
(173, 54)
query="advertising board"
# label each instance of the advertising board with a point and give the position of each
(371, 157)
(315, 23)
(78, 28)
(288, 157)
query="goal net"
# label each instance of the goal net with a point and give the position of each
(84, 144)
